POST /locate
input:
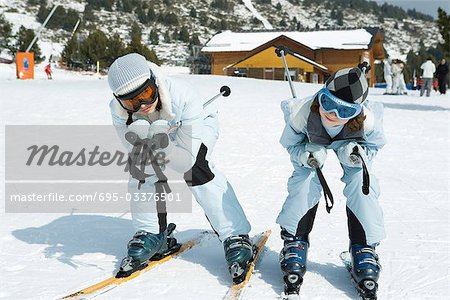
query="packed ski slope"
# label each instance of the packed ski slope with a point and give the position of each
(46, 256)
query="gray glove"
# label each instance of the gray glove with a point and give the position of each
(319, 154)
(345, 156)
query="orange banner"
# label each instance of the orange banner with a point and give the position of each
(25, 65)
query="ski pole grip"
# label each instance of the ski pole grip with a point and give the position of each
(225, 91)
(366, 176)
(282, 48)
(312, 161)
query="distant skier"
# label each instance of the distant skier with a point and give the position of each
(48, 71)
(396, 74)
(152, 105)
(337, 118)
(387, 71)
(399, 86)
(427, 77)
(403, 89)
(441, 74)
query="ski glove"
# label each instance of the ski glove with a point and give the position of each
(140, 127)
(319, 154)
(159, 134)
(346, 156)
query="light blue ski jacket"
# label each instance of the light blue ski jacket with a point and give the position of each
(183, 108)
(304, 127)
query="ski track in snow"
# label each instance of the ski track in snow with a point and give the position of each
(256, 14)
(46, 256)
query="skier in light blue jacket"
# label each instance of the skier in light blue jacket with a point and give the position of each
(150, 105)
(337, 118)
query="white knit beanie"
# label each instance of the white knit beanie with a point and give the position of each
(127, 73)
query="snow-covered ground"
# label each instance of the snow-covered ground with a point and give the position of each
(46, 256)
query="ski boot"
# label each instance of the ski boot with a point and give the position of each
(365, 270)
(145, 247)
(239, 254)
(293, 261)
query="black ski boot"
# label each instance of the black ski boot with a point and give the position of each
(239, 254)
(365, 270)
(293, 259)
(145, 247)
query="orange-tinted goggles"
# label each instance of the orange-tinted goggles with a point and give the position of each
(146, 94)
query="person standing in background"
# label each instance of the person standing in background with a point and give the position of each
(402, 89)
(388, 75)
(441, 74)
(396, 73)
(427, 77)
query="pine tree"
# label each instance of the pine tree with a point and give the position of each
(195, 41)
(5, 34)
(136, 45)
(154, 38)
(23, 39)
(184, 35)
(193, 13)
(93, 49)
(167, 38)
(443, 23)
(340, 18)
(69, 51)
(142, 15)
(151, 15)
(333, 14)
(42, 12)
(116, 48)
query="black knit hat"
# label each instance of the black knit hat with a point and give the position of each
(349, 85)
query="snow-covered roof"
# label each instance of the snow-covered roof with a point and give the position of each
(333, 39)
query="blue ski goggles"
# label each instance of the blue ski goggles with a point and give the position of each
(343, 109)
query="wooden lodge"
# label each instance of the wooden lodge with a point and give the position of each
(316, 54)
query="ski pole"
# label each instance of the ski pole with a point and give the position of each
(281, 52)
(355, 156)
(329, 200)
(224, 91)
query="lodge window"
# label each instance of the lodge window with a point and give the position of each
(268, 73)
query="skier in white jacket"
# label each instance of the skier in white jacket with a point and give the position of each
(427, 77)
(388, 75)
(149, 105)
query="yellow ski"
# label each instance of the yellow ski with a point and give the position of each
(112, 282)
(236, 290)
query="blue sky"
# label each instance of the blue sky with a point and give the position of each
(428, 7)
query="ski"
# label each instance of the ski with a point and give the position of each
(236, 290)
(114, 281)
(369, 291)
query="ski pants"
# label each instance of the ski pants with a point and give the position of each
(396, 85)
(210, 188)
(388, 79)
(426, 86)
(364, 214)
(442, 81)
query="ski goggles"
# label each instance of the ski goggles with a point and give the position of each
(146, 94)
(344, 110)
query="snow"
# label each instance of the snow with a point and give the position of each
(256, 14)
(45, 256)
(247, 41)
